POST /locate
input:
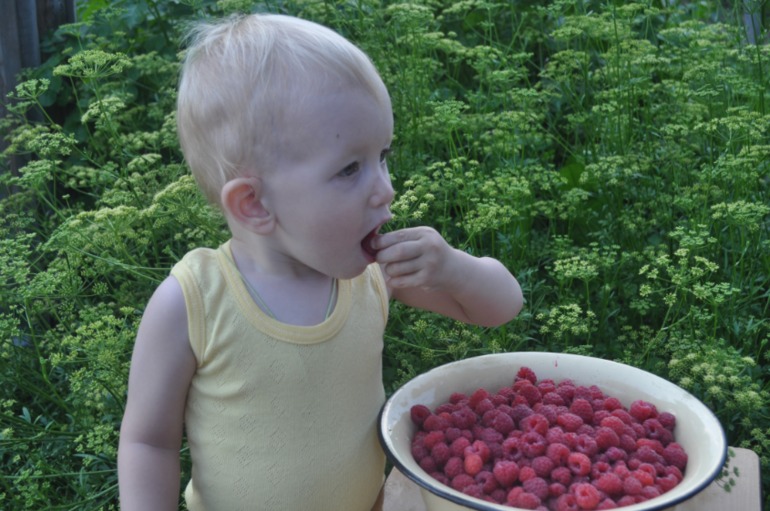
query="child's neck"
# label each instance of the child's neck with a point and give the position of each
(286, 290)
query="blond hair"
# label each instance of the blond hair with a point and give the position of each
(242, 78)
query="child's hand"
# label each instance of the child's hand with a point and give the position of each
(414, 258)
(422, 270)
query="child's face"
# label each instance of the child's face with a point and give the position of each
(332, 188)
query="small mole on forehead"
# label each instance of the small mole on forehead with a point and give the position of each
(338, 135)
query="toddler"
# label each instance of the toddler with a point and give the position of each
(266, 351)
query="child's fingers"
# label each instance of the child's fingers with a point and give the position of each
(389, 239)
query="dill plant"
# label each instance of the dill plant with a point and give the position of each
(614, 155)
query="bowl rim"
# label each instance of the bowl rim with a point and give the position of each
(442, 490)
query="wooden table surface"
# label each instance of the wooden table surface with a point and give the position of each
(401, 494)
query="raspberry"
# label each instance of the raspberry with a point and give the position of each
(616, 454)
(457, 397)
(472, 464)
(655, 430)
(458, 446)
(623, 415)
(556, 490)
(507, 393)
(599, 468)
(555, 435)
(668, 420)
(527, 500)
(612, 403)
(464, 418)
(487, 481)
(452, 434)
(650, 492)
(627, 443)
(586, 496)
(605, 438)
(520, 411)
(667, 482)
(542, 465)
(440, 453)
(569, 421)
(566, 389)
(513, 495)
(647, 454)
(672, 470)
(579, 463)
(632, 486)
(562, 475)
(428, 464)
(530, 393)
(642, 410)
(445, 408)
(461, 481)
(610, 484)
(587, 446)
(526, 373)
(506, 472)
(546, 385)
(533, 444)
(490, 435)
(512, 449)
(675, 455)
(477, 396)
(480, 448)
(566, 502)
(614, 423)
(550, 412)
(535, 422)
(483, 406)
(536, 486)
(600, 415)
(526, 473)
(553, 398)
(474, 490)
(499, 495)
(646, 477)
(454, 467)
(583, 409)
(435, 423)
(419, 451)
(607, 503)
(583, 392)
(438, 476)
(419, 413)
(433, 438)
(502, 423)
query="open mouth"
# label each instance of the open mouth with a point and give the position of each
(366, 243)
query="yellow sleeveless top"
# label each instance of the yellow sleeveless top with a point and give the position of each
(281, 417)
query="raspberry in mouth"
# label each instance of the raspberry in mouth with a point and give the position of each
(366, 244)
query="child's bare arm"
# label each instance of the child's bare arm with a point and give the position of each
(423, 270)
(162, 368)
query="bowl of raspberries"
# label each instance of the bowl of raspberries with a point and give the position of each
(550, 432)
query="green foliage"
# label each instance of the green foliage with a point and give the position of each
(614, 155)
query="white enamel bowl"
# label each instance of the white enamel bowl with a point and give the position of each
(697, 429)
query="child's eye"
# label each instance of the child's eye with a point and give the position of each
(384, 155)
(349, 170)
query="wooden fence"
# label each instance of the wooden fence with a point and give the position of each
(22, 23)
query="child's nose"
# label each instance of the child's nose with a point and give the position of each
(383, 192)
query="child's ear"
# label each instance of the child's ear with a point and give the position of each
(242, 200)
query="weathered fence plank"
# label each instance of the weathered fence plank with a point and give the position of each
(22, 22)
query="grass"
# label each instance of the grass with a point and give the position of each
(613, 155)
